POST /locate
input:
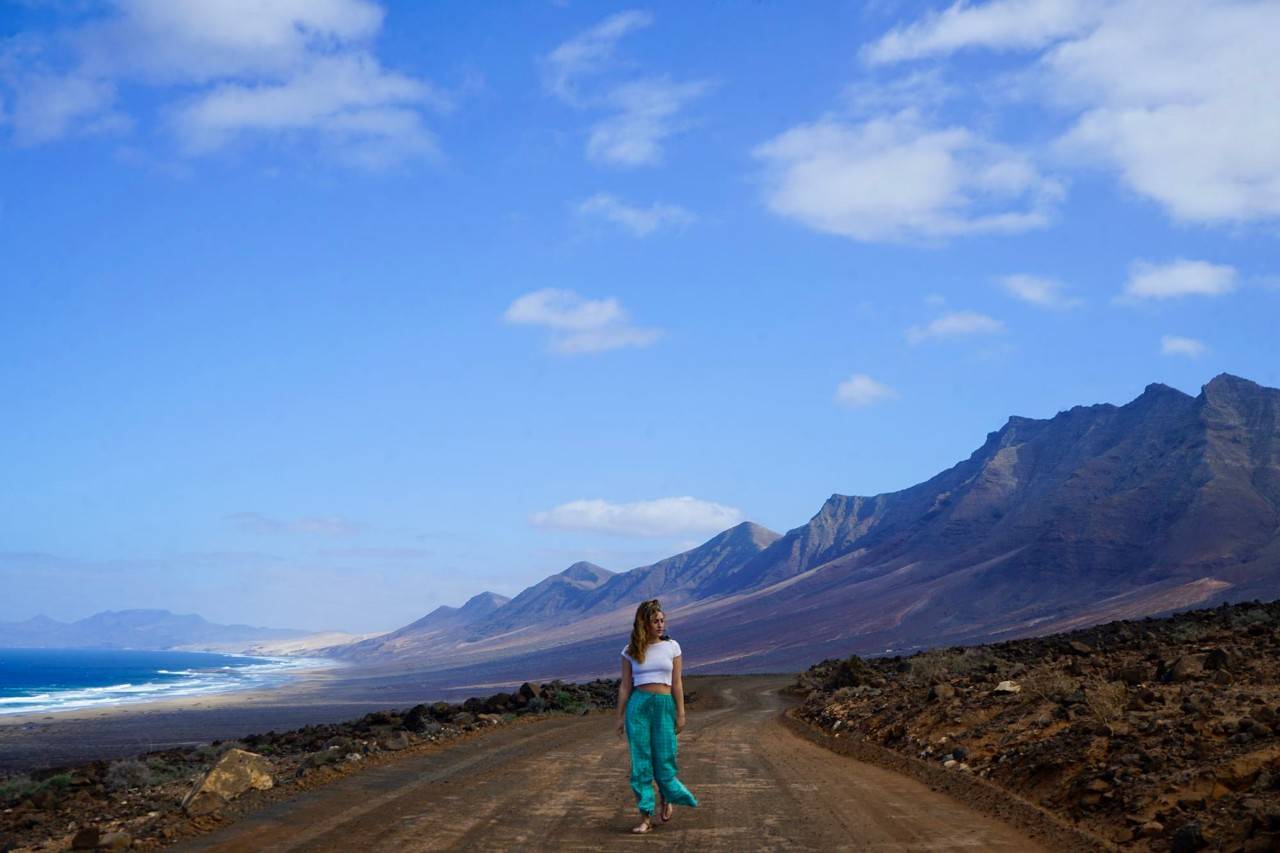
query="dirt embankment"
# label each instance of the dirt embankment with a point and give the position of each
(137, 802)
(1160, 734)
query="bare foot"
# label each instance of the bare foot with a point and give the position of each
(667, 809)
(642, 827)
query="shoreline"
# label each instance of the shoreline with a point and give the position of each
(300, 681)
(269, 675)
(38, 741)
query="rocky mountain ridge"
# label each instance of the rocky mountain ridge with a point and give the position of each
(1100, 512)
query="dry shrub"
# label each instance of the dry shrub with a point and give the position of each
(1106, 700)
(1047, 685)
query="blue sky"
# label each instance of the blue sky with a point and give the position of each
(322, 314)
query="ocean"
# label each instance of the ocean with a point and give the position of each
(43, 680)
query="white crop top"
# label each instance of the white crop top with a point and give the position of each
(659, 658)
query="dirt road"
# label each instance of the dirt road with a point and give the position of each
(561, 785)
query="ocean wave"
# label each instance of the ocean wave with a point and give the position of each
(169, 684)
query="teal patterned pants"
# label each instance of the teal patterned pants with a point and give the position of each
(651, 733)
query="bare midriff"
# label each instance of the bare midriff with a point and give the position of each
(655, 688)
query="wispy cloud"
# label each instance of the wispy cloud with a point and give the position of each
(1177, 279)
(1043, 292)
(861, 390)
(661, 517)
(1180, 105)
(588, 53)
(895, 178)
(1178, 345)
(960, 324)
(370, 114)
(332, 525)
(1000, 25)
(578, 325)
(641, 112)
(640, 221)
(229, 71)
(646, 116)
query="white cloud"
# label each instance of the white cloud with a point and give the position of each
(640, 221)
(1181, 104)
(1044, 292)
(1004, 24)
(960, 324)
(589, 52)
(861, 390)
(332, 525)
(1178, 345)
(578, 325)
(299, 69)
(372, 113)
(1177, 279)
(208, 41)
(893, 178)
(660, 517)
(646, 116)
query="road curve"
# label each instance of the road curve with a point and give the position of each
(561, 785)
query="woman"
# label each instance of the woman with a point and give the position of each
(651, 708)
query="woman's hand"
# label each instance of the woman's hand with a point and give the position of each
(622, 733)
(679, 723)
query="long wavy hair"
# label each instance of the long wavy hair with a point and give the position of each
(640, 629)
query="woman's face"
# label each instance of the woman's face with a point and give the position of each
(657, 624)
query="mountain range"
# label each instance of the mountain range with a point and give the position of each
(1098, 513)
(135, 629)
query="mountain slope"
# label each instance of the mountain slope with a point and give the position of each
(1100, 512)
(542, 613)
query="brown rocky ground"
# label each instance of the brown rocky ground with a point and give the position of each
(1159, 734)
(137, 802)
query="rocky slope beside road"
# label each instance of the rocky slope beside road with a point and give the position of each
(1159, 734)
(155, 799)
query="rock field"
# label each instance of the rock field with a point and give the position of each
(1159, 734)
(162, 797)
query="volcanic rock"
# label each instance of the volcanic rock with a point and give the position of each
(236, 772)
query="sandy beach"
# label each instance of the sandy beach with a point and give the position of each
(322, 695)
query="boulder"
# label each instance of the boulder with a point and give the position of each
(1007, 688)
(85, 839)
(1185, 668)
(115, 841)
(1188, 838)
(418, 718)
(1132, 675)
(236, 772)
(1216, 659)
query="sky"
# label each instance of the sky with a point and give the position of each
(323, 313)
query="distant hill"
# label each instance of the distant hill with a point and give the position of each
(581, 591)
(134, 629)
(1098, 513)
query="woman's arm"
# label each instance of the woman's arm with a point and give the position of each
(677, 690)
(624, 693)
